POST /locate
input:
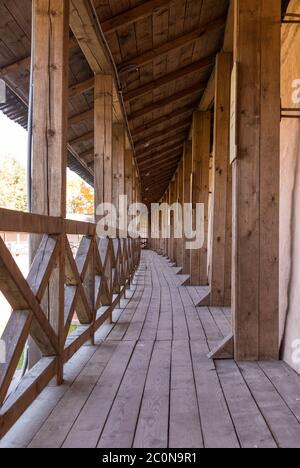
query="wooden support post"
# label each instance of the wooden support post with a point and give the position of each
(128, 176)
(257, 45)
(180, 243)
(187, 198)
(221, 232)
(49, 150)
(103, 138)
(118, 188)
(172, 222)
(201, 154)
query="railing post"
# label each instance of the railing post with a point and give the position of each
(50, 127)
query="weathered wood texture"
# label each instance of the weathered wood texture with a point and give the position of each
(163, 389)
(220, 264)
(201, 135)
(256, 179)
(90, 292)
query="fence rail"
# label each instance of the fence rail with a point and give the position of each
(59, 285)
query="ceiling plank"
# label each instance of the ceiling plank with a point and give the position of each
(24, 63)
(162, 133)
(143, 59)
(133, 15)
(160, 145)
(164, 118)
(156, 164)
(81, 138)
(178, 147)
(176, 75)
(87, 115)
(80, 88)
(167, 101)
(159, 168)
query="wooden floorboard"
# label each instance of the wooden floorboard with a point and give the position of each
(148, 382)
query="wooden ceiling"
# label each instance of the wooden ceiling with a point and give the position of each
(164, 51)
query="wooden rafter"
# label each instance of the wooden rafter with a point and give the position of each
(81, 138)
(162, 133)
(164, 118)
(82, 87)
(161, 144)
(175, 149)
(169, 78)
(133, 15)
(158, 169)
(87, 115)
(158, 163)
(24, 63)
(180, 41)
(162, 150)
(169, 100)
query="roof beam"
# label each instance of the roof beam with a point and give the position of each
(81, 138)
(24, 63)
(157, 163)
(80, 88)
(160, 145)
(176, 75)
(164, 118)
(180, 41)
(162, 133)
(169, 100)
(133, 15)
(87, 115)
(160, 154)
(159, 168)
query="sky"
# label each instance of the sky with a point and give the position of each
(14, 142)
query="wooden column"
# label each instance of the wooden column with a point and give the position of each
(220, 266)
(187, 198)
(118, 146)
(172, 222)
(103, 138)
(201, 154)
(50, 127)
(256, 179)
(180, 244)
(129, 176)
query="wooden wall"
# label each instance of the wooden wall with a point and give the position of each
(289, 292)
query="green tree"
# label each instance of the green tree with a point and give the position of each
(13, 194)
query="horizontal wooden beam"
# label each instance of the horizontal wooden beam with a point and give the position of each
(175, 149)
(24, 63)
(169, 78)
(143, 59)
(80, 88)
(165, 149)
(81, 138)
(158, 163)
(162, 133)
(164, 118)
(158, 146)
(158, 168)
(14, 221)
(87, 115)
(133, 15)
(169, 100)
(159, 182)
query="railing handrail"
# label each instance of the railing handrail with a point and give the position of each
(94, 283)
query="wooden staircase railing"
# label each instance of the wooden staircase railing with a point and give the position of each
(90, 284)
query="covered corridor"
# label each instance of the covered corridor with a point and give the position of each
(125, 334)
(148, 383)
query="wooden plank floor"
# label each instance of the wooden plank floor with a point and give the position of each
(148, 382)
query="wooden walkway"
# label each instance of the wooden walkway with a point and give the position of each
(148, 382)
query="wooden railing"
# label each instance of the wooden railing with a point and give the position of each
(90, 284)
